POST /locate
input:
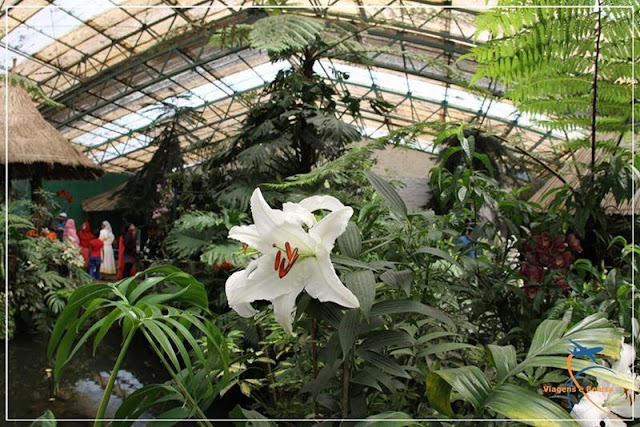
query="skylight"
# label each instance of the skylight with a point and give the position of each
(205, 94)
(49, 24)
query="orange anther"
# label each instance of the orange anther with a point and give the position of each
(277, 264)
(289, 253)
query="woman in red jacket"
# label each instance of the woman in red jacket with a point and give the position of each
(85, 235)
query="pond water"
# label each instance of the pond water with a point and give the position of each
(82, 382)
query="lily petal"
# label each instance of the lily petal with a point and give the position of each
(249, 234)
(299, 214)
(586, 414)
(259, 281)
(273, 226)
(245, 310)
(626, 361)
(315, 203)
(330, 227)
(322, 282)
(283, 308)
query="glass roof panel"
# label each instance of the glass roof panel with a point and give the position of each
(94, 57)
(51, 23)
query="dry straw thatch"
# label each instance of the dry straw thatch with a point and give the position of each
(568, 172)
(36, 148)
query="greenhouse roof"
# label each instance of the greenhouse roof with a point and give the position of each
(115, 63)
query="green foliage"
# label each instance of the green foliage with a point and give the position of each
(45, 420)
(506, 395)
(293, 130)
(547, 57)
(152, 187)
(202, 235)
(169, 308)
(41, 272)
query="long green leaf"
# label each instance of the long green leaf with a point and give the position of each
(350, 242)
(410, 306)
(439, 394)
(363, 285)
(504, 359)
(444, 347)
(399, 279)
(388, 194)
(470, 382)
(110, 319)
(528, 407)
(384, 363)
(439, 253)
(387, 338)
(69, 314)
(161, 338)
(348, 330)
(145, 286)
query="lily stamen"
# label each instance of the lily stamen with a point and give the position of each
(283, 266)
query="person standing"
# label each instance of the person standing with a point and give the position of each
(108, 265)
(129, 241)
(70, 233)
(95, 258)
(85, 235)
(62, 219)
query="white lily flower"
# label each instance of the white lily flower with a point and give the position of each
(292, 259)
(618, 403)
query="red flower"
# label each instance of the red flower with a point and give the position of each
(534, 274)
(543, 241)
(70, 199)
(558, 243)
(557, 261)
(574, 243)
(32, 233)
(224, 265)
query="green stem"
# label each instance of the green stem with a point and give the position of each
(346, 378)
(112, 378)
(194, 405)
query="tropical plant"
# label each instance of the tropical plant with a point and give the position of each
(170, 309)
(201, 235)
(41, 272)
(507, 391)
(146, 192)
(572, 64)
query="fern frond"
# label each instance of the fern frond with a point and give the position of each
(231, 252)
(279, 33)
(334, 129)
(331, 168)
(275, 34)
(198, 221)
(186, 243)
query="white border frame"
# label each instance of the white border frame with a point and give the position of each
(336, 6)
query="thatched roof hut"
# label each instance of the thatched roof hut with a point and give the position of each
(568, 172)
(36, 149)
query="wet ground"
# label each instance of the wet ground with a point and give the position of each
(82, 382)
